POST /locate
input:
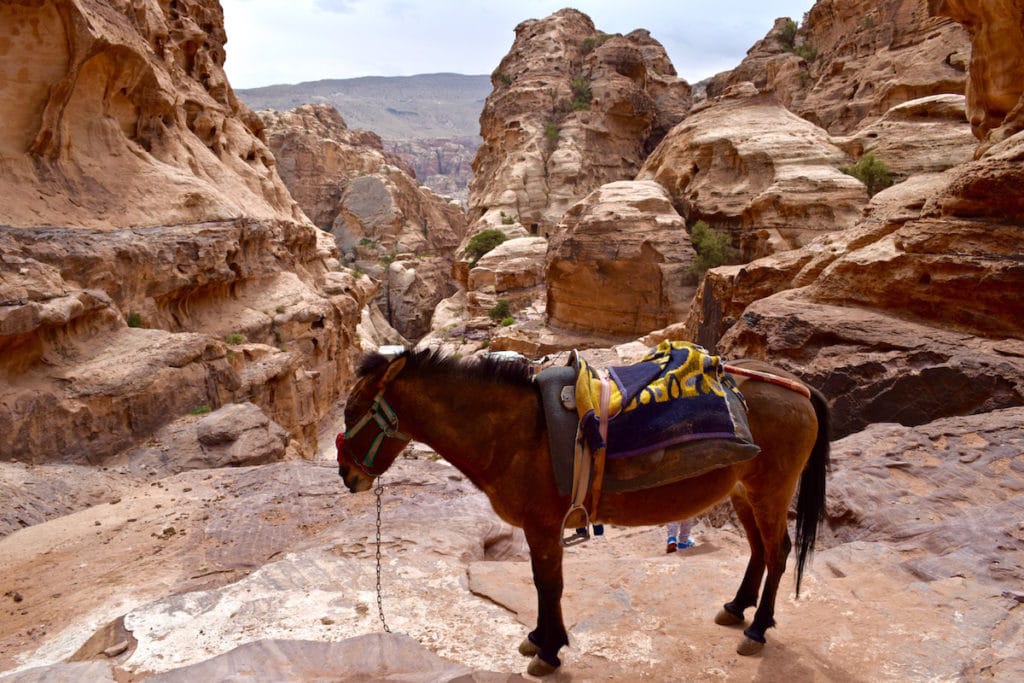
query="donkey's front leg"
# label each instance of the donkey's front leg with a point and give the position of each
(544, 642)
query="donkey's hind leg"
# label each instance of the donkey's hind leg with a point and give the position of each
(775, 539)
(731, 613)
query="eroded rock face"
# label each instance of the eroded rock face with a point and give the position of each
(103, 340)
(119, 114)
(748, 166)
(152, 262)
(995, 87)
(572, 109)
(620, 262)
(876, 367)
(375, 210)
(853, 60)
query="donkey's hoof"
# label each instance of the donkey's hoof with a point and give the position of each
(727, 618)
(538, 667)
(749, 646)
(528, 648)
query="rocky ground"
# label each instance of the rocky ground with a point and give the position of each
(268, 573)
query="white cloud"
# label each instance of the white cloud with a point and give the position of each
(270, 41)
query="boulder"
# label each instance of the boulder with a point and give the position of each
(620, 262)
(747, 165)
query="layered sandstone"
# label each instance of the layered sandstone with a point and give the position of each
(381, 219)
(119, 114)
(620, 262)
(746, 165)
(152, 262)
(572, 109)
(853, 61)
(904, 318)
(995, 92)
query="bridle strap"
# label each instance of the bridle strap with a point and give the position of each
(386, 420)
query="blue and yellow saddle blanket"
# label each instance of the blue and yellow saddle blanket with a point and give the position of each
(677, 393)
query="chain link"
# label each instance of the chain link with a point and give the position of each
(380, 600)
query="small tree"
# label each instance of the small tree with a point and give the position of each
(787, 36)
(713, 247)
(581, 94)
(483, 242)
(872, 172)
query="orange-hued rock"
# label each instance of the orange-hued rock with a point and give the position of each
(995, 87)
(853, 60)
(747, 165)
(152, 262)
(572, 109)
(119, 114)
(619, 263)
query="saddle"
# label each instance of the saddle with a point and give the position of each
(672, 415)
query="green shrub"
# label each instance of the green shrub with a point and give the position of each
(591, 42)
(551, 132)
(714, 248)
(505, 322)
(788, 34)
(235, 338)
(499, 311)
(134, 319)
(483, 242)
(581, 94)
(872, 172)
(506, 219)
(503, 78)
(806, 52)
(200, 410)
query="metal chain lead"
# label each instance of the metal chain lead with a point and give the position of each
(380, 601)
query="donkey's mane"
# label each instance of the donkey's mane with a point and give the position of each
(435, 362)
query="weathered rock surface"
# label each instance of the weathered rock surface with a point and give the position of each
(748, 166)
(203, 563)
(445, 165)
(876, 367)
(851, 61)
(995, 92)
(119, 114)
(104, 341)
(375, 210)
(572, 109)
(619, 262)
(927, 135)
(513, 271)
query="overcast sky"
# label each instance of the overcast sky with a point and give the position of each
(291, 41)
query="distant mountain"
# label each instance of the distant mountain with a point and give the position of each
(427, 106)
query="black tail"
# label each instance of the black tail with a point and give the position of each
(810, 501)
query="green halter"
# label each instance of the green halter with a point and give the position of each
(381, 414)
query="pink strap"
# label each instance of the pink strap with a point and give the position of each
(790, 384)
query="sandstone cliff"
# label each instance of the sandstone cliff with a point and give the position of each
(572, 109)
(153, 263)
(906, 316)
(853, 61)
(383, 222)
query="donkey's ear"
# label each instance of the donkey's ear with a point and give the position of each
(393, 370)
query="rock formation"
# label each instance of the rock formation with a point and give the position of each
(443, 164)
(152, 263)
(748, 166)
(995, 93)
(382, 221)
(572, 109)
(905, 317)
(854, 60)
(619, 263)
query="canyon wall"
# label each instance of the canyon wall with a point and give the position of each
(153, 265)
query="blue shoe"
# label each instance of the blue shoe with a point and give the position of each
(687, 544)
(671, 547)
